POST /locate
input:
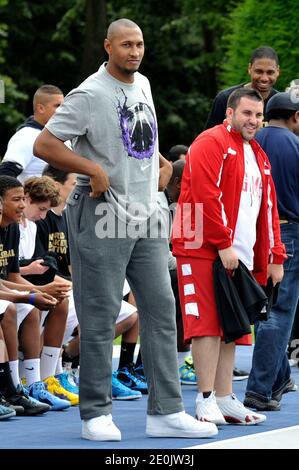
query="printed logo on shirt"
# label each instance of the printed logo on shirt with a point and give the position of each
(4, 260)
(138, 128)
(58, 243)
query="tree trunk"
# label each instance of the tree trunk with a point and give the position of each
(95, 33)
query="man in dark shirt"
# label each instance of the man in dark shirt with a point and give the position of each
(270, 374)
(263, 69)
(12, 192)
(52, 231)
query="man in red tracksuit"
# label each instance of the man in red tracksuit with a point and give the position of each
(227, 208)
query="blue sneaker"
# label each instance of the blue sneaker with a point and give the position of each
(139, 371)
(6, 412)
(75, 374)
(127, 376)
(187, 375)
(121, 392)
(39, 391)
(66, 384)
(27, 395)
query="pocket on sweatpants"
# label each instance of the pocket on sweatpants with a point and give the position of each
(75, 205)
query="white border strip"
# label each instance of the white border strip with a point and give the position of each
(246, 439)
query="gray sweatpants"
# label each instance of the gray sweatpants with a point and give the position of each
(99, 267)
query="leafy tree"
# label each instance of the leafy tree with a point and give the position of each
(9, 114)
(180, 39)
(95, 33)
(61, 43)
(31, 54)
(254, 23)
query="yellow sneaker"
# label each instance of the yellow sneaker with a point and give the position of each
(56, 389)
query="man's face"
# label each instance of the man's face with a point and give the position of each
(47, 109)
(125, 49)
(67, 187)
(36, 210)
(295, 128)
(263, 73)
(247, 118)
(13, 206)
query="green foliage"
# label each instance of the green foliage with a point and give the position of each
(179, 55)
(254, 23)
(31, 54)
(43, 42)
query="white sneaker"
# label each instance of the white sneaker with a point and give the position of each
(101, 428)
(208, 410)
(235, 412)
(178, 425)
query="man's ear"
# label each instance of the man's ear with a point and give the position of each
(229, 113)
(107, 45)
(40, 108)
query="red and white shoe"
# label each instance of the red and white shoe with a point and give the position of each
(208, 410)
(235, 412)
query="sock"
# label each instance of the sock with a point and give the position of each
(32, 370)
(126, 354)
(139, 359)
(6, 383)
(76, 362)
(48, 361)
(66, 359)
(224, 398)
(59, 368)
(14, 372)
(202, 396)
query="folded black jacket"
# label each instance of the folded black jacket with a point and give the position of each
(240, 300)
(48, 276)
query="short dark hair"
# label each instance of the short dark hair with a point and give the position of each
(264, 52)
(235, 97)
(44, 93)
(175, 152)
(7, 183)
(283, 114)
(178, 168)
(57, 175)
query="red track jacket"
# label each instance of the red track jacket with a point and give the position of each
(213, 176)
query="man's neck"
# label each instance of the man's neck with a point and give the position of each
(5, 223)
(122, 77)
(59, 209)
(279, 123)
(265, 94)
(39, 120)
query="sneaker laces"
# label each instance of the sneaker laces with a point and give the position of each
(41, 388)
(238, 404)
(129, 370)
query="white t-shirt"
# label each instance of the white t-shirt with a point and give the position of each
(250, 203)
(20, 150)
(27, 240)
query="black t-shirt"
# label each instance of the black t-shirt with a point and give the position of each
(52, 236)
(9, 250)
(217, 113)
